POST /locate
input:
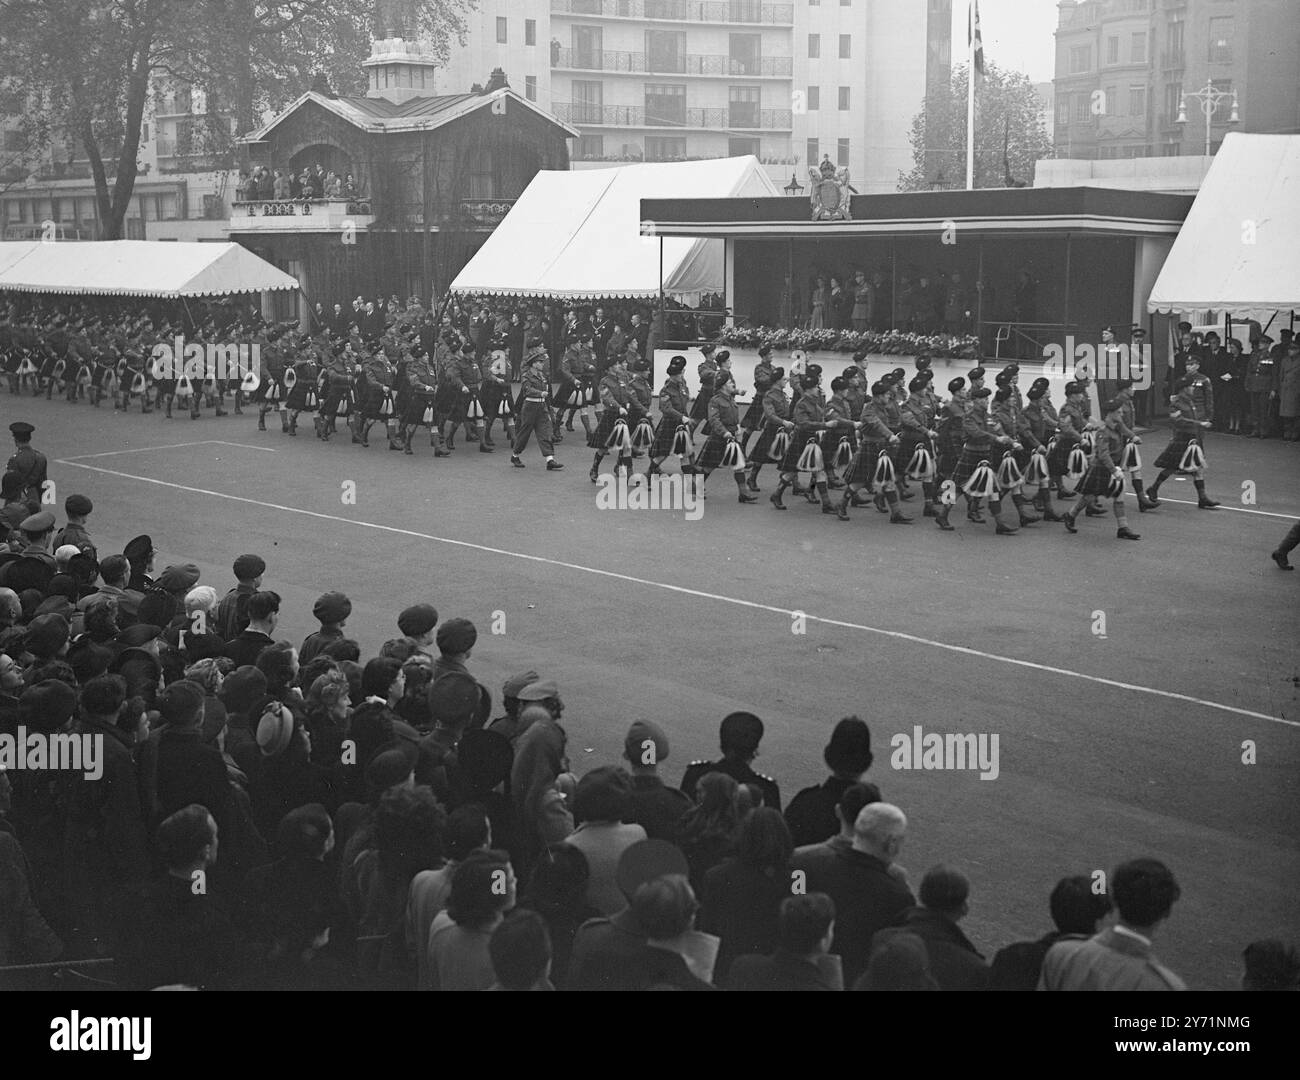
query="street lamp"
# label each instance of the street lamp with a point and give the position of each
(793, 187)
(1209, 96)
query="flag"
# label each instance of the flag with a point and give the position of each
(974, 39)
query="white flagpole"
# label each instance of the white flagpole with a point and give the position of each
(970, 97)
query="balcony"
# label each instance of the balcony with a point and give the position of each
(740, 118)
(300, 215)
(711, 11)
(636, 63)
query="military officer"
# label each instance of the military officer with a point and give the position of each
(739, 737)
(26, 461)
(535, 412)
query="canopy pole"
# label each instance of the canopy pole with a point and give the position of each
(661, 334)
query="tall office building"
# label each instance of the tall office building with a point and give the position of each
(1123, 66)
(667, 80)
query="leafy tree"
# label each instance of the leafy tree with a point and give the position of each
(1010, 135)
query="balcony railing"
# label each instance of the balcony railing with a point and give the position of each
(774, 67)
(300, 215)
(736, 118)
(715, 11)
(470, 214)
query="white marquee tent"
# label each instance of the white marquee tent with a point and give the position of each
(136, 268)
(1236, 252)
(580, 234)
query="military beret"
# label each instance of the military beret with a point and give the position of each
(1036, 392)
(22, 428)
(1012, 369)
(516, 683)
(981, 392)
(641, 365)
(916, 384)
(808, 381)
(1123, 384)
(676, 365)
(778, 373)
(764, 349)
(1113, 405)
(813, 369)
(333, 607)
(1003, 394)
(46, 635)
(417, 619)
(454, 698)
(38, 522)
(922, 362)
(707, 348)
(879, 387)
(1041, 381)
(539, 691)
(647, 860)
(249, 566)
(851, 372)
(838, 384)
(956, 384)
(1002, 378)
(1073, 388)
(641, 732)
(898, 373)
(79, 505)
(976, 373)
(179, 579)
(723, 357)
(456, 636)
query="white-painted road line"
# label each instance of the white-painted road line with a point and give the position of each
(171, 446)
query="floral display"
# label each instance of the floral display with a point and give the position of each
(881, 343)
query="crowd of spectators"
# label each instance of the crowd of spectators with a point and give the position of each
(326, 815)
(310, 182)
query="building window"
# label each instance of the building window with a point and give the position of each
(1174, 43)
(844, 97)
(665, 103)
(588, 98)
(1080, 59)
(1172, 149)
(1221, 39)
(144, 133)
(662, 148)
(530, 87)
(1173, 93)
(1081, 108)
(814, 46)
(813, 152)
(814, 3)
(530, 31)
(665, 51)
(590, 147)
(814, 98)
(1137, 101)
(846, 46)
(1110, 101)
(1138, 51)
(1112, 49)
(745, 54)
(742, 147)
(1224, 108)
(743, 102)
(501, 30)
(842, 152)
(1063, 109)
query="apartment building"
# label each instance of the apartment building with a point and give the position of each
(1125, 70)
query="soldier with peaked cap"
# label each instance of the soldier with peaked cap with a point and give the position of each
(36, 531)
(739, 737)
(534, 411)
(674, 398)
(29, 463)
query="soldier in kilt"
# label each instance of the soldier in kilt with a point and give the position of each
(619, 403)
(1038, 426)
(874, 437)
(50, 369)
(334, 390)
(133, 380)
(568, 394)
(723, 426)
(376, 391)
(103, 379)
(753, 419)
(1191, 409)
(270, 392)
(980, 443)
(1007, 418)
(673, 403)
(1130, 459)
(707, 371)
(809, 418)
(950, 432)
(459, 404)
(1104, 478)
(841, 426)
(302, 396)
(418, 401)
(917, 430)
(494, 393)
(893, 415)
(1071, 424)
(581, 363)
(776, 418)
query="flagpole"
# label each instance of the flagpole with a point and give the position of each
(970, 99)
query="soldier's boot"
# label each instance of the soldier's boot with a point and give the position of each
(354, 426)
(1203, 501)
(1144, 503)
(292, 429)
(973, 511)
(487, 433)
(49, 390)
(451, 437)
(879, 502)
(168, 403)
(941, 517)
(1043, 500)
(1155, 488)
(435, 440)
(261, 419)
(595, 468)
(586, 424)
(751, 479)
(221, 403)
(995, 507)
(896, 515)
(1068, 520)
(239, 402)
(927, 489)
(842, 511)
(745, 496)
(364, 427)
(775, 497)
(194, 407)
(1026, 518)
(395, 435)
(568, 421)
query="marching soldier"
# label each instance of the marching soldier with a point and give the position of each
(840, 426)
(619, 403)
(875, 437)
(753, 418)
(302, 395)
(29, 463)
(707, 371)
(535, 413)
(776, 418)
(918, 430)
(1193, 410)
(419, 402)
(335, 391)
(376, 400)
(1009, 420)
(1039, 420)
(980, 444)
(462, 378)
(1104, 476)
(809, 418)
(724, 429)
(494, 395)
(1130, 459)
(569, 394)
(949, 447)
(673, 403)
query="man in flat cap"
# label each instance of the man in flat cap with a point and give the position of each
(232, 612)
(27, 462)
(77, 508)
(509, 725)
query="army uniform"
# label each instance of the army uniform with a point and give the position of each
(983, 442)
(673, 403)
(1192, 406)
(753, 418)
(30, 464)
(916, 419)
(418, 402)
(707, 371)
(618, 400)
(494, 395)
(1104, 478)
(376, 399)
(534, 412)
(740, 771)
(875, 435)
(723, 427)
(463, 377)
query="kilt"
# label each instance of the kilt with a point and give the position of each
(1171, 457)
(664, 435)
(969, 461)
(414, 408)
(753, 418)
(710, 456)
(303, 395)
(1096, 481)
(598, 438)
(700, 407)
(567, 394)
(863, 469)
(490, 396)
(373, 400)
(798, 444)
(759, 454)
(1058, 458)
(47, 367)
(448, 400)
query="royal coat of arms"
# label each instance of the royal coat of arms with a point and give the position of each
(830, 193)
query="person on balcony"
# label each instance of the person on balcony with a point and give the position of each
(280, 186)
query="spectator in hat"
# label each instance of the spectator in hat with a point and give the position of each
(508, 725)
(867, 896)
(900, 962)
(739, 736)
(417, 622)
(520, 951)
(177, 581)
(454, 701)
(1270, 964)
(114, 574)
(36, 531)
(232, 613)
(805, 925)
(241, 693)
(811, 813)
(15, 504)
(1120, 958)
(456, 639)
(285, 777)
(331, 611)
(47, 637)
(557, 891)
(77, 508)
(742, 894)
(139, 554)
(656, 807)
(467, 831)
(954, 962)
(600, 803)
(263, 611)
(540, 762)
(708, 832)
(1077, 912)
(482, 891)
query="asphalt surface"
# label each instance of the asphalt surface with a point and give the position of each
(648, 614)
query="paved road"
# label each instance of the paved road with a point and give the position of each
(640, 613)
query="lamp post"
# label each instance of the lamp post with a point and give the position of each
(1209, 97)
(793, 187)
